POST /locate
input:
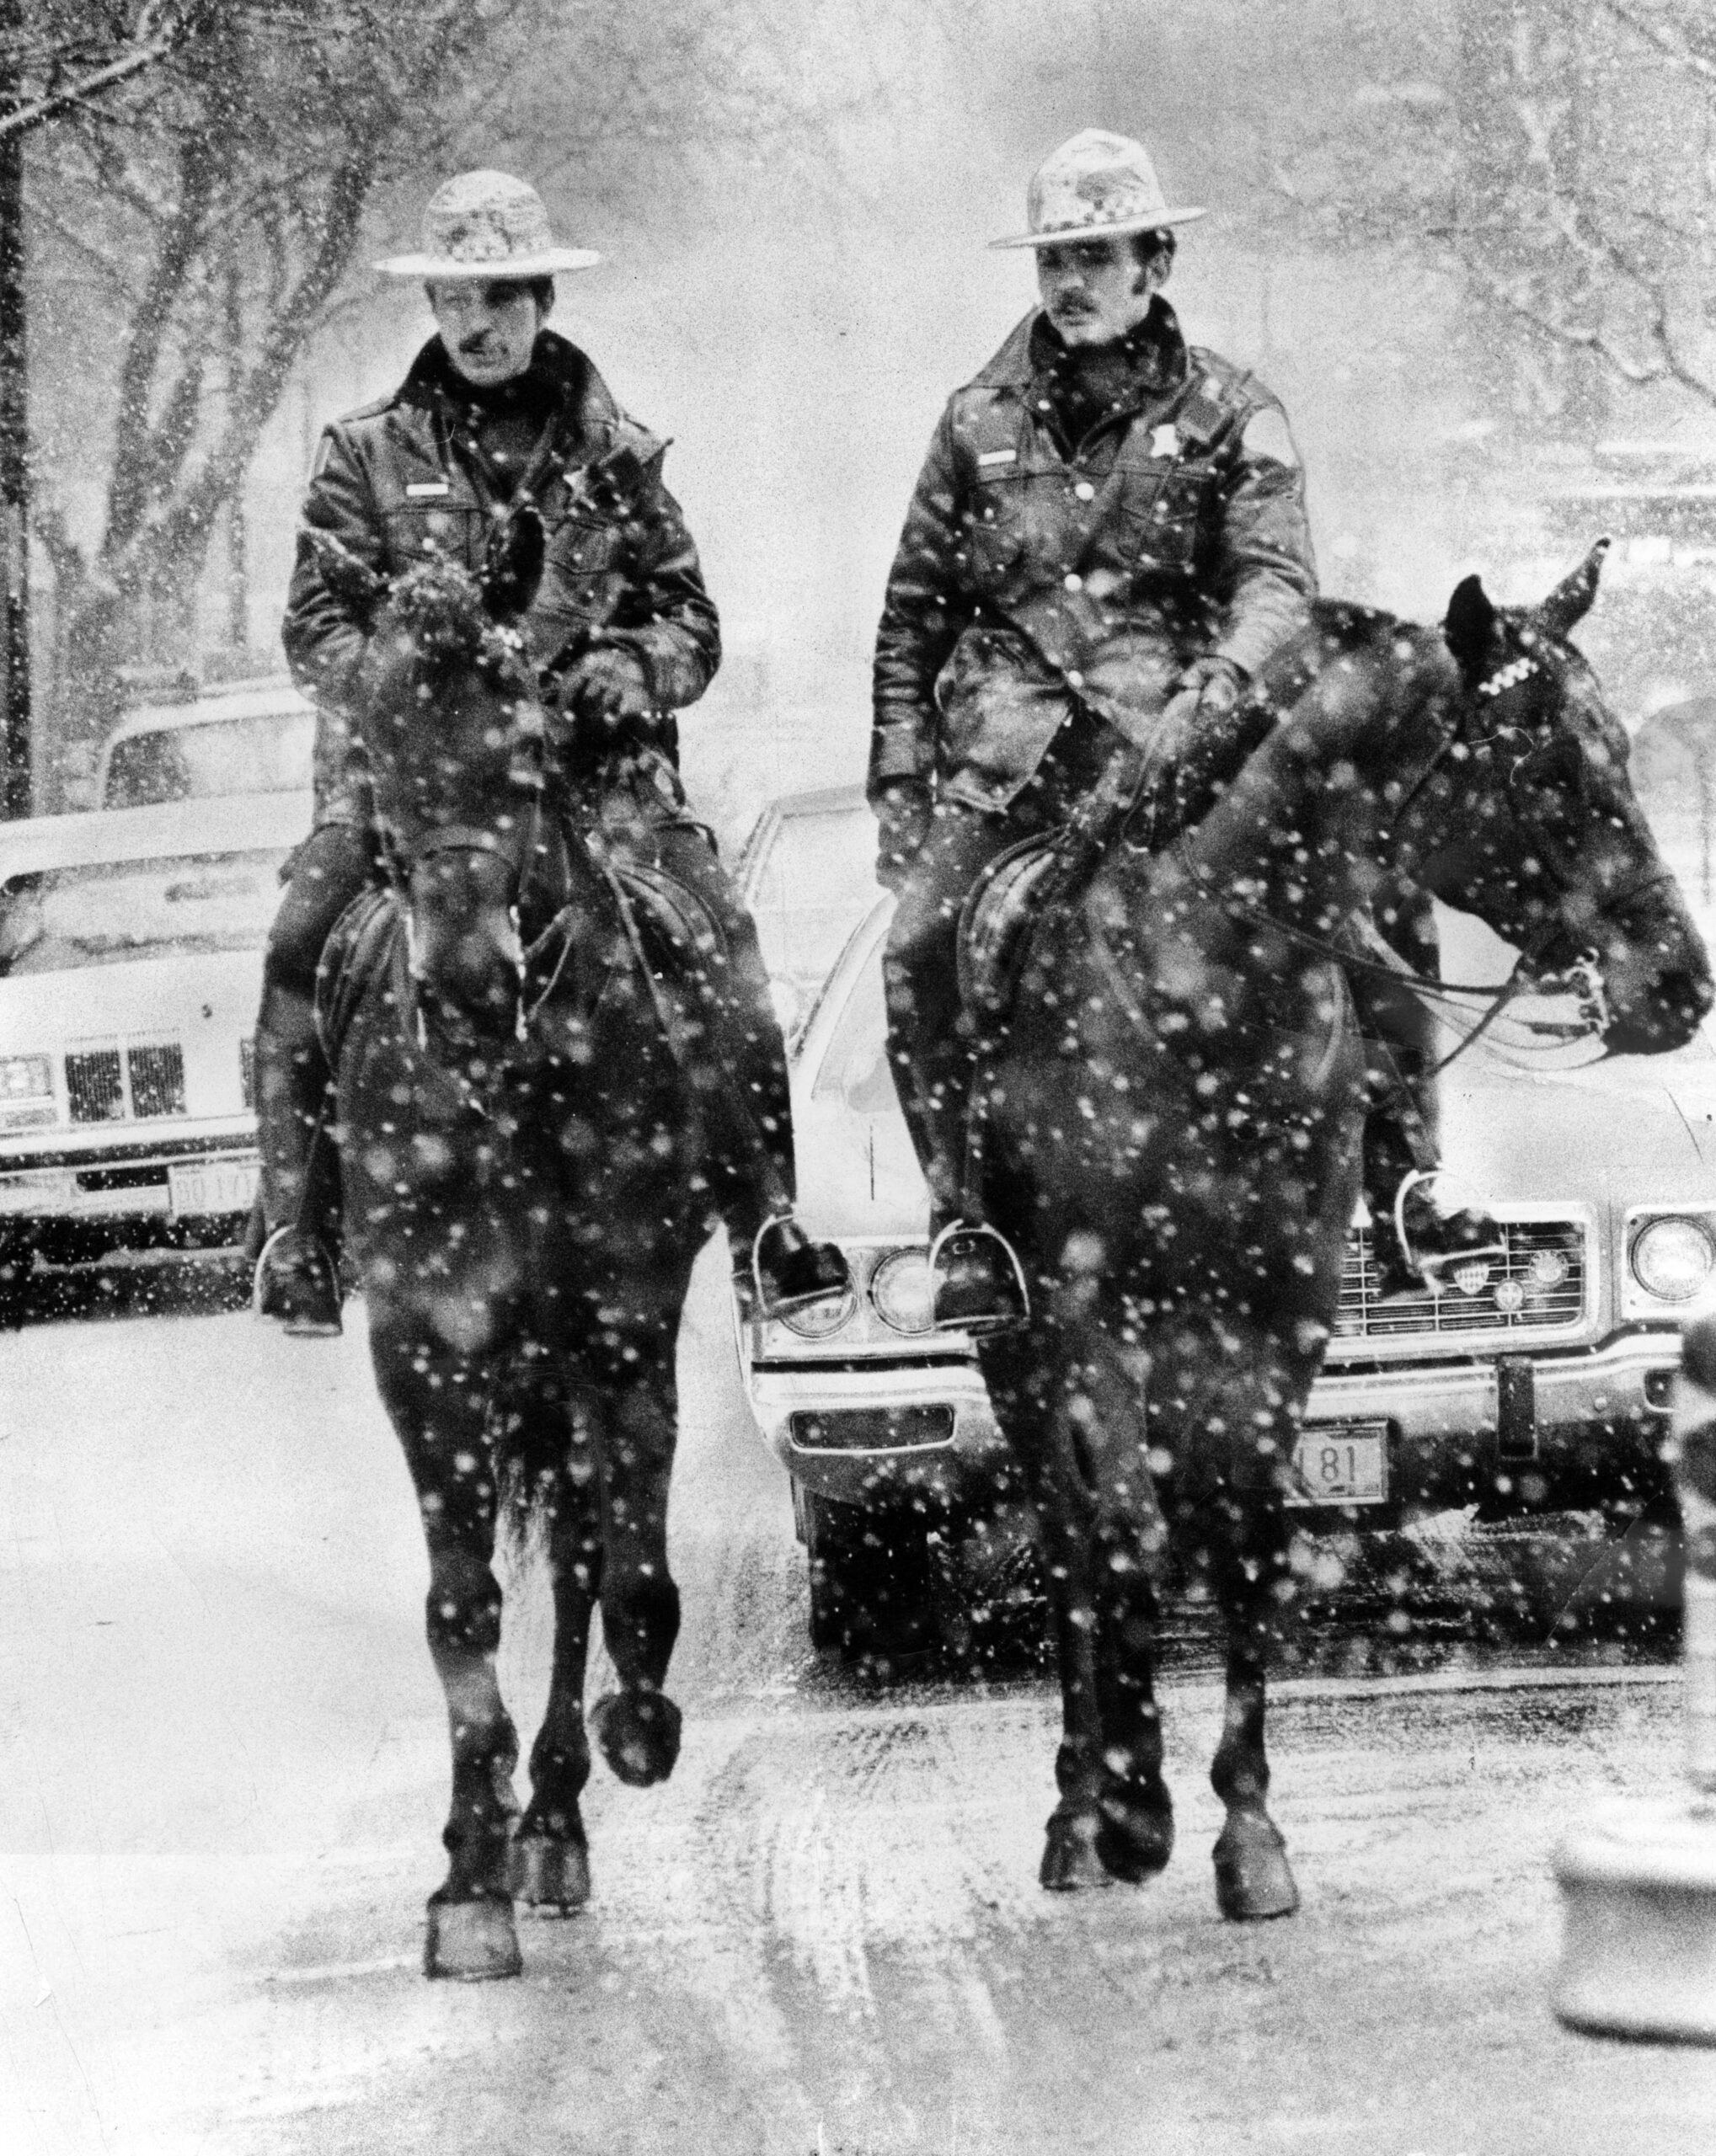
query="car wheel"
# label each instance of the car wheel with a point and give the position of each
(988, 1586)
(870, 1593)
(16, 1264)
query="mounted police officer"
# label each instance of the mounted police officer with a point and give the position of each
(1107, 542)
(498, 411)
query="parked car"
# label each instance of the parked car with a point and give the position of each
(130, 945)
(248, 737)
(1539, 1381)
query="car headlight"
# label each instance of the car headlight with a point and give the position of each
(25, 1078)
(902, 1291)
(818, 1321)
(1673, 1259)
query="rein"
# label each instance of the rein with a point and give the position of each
(1593, 1005)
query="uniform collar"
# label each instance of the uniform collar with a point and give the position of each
(1027, 360)
(568, 374)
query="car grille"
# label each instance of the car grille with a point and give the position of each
(106, 1085)
(157, 1080)
(95, 1087)
(1542, 1304)
(871, 1429)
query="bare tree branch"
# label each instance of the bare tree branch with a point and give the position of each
(1654, 35)
(152, 48)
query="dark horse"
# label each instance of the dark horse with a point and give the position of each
(524, 1202)
(1172, 1127)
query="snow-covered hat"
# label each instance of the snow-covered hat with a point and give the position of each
(1095, 186)
(486, 225)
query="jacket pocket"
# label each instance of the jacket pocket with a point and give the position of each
(584, 546)
(419, 529)
(995, 528)
(1164, 509)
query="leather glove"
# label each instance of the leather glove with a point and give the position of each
(904, 811)
(1207, 693)
(1216, 682)
(607, 685)
(599, 703)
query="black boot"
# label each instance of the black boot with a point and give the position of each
(977, 1281)
(297, 1272)
(298, 1280)
(787, 1271)
(1434, 1226)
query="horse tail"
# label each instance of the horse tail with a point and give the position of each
(529, 1435)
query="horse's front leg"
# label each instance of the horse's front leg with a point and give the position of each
(632, 1421)
(1114, 1819)
(1228, 1412)
(550, 1866)
(435, 1400)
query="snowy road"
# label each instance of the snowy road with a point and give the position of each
(223, 1768)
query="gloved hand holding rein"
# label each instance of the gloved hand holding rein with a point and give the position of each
(597, 704)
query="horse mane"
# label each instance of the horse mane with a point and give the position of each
(440, 607)
(1337, 630)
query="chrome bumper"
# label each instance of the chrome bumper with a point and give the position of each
(1555, 1426)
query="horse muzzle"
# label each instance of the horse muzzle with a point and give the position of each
(466, 957)
(1659, 989)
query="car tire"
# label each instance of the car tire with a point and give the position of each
(15, 1264)
(870, 1591)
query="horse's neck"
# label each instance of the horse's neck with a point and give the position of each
(1301, 833)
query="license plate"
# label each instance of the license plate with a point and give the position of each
(212, 1186)
(1342, 1464)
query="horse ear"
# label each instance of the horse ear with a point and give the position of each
(353, 582)
(1469, 626)
(512, 562)
(1570, 599)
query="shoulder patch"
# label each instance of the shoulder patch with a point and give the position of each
(1266, 434)
(372, 410)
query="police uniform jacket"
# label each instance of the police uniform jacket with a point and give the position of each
(406, 476)
(1031, 575)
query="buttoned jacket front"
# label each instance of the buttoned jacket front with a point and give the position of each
(397, 481)
(1030, 579)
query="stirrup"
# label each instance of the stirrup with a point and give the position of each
(298, 1280)
(977, 1281)
(1430, 1265)
(794, 1272)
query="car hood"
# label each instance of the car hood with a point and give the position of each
(169, 997)
(1630, 1130)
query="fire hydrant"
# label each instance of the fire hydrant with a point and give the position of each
(1638, 1881)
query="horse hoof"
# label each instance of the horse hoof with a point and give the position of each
(471, 1941)
(1069, 1858)
(1136, 1837)
(1254, 1879)
(553, 1876)
(639, 1733)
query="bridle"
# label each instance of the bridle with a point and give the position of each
(1582, 973)
(518, 851)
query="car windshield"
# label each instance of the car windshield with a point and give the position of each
(855, 1069)
(263, 752)
(109, 912)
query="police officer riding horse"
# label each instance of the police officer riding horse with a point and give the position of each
(497, 416)
(1107, 542)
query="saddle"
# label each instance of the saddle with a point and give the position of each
(361, 943)
(679, 936)
(1011, 893)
